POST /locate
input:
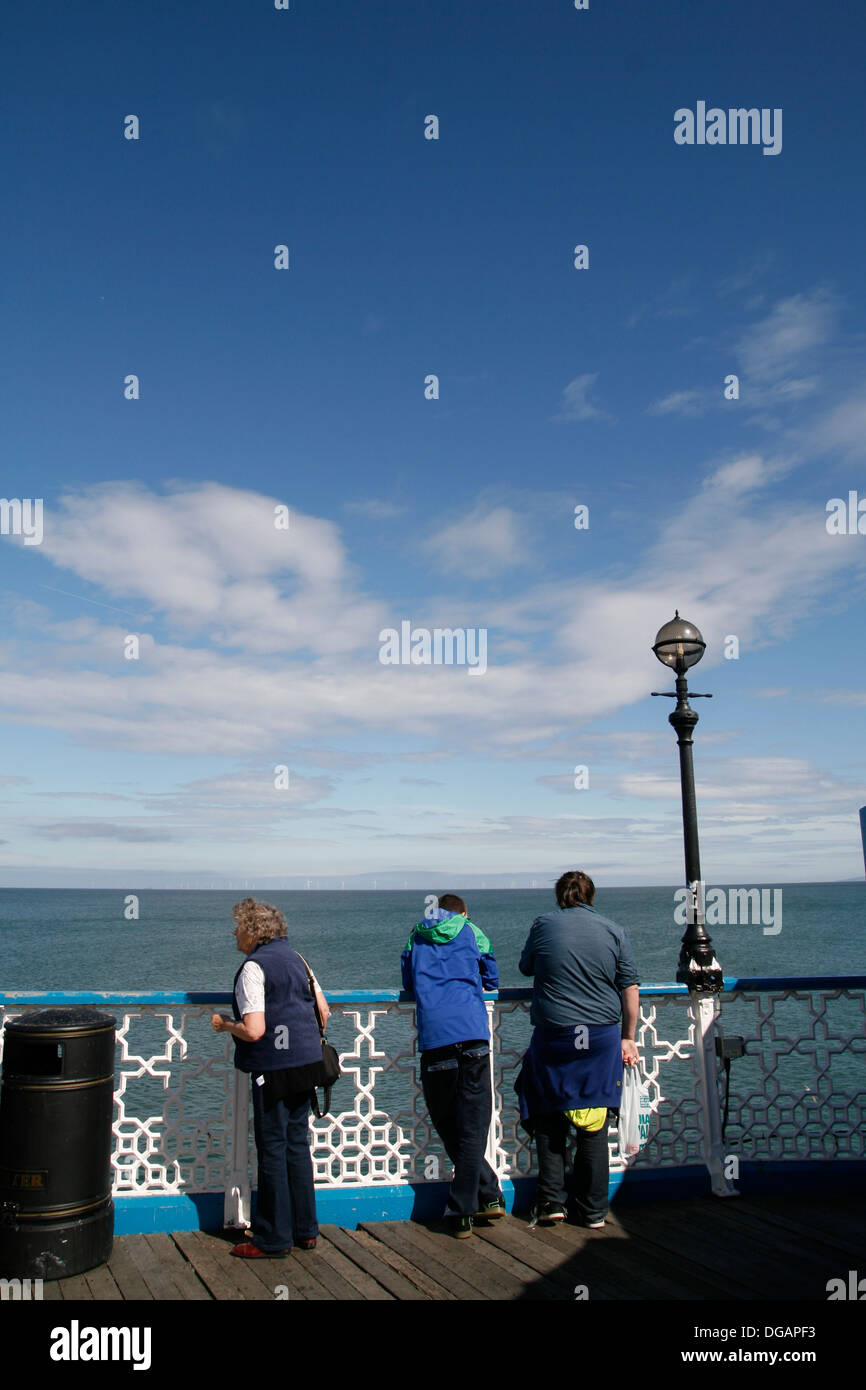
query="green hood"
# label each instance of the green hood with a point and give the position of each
(440, 933)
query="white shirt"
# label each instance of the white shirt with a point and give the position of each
(250, 989)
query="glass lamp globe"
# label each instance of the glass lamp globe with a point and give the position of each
(679, 644)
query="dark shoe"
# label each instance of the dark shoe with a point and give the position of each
(546, 1214)
(461, 1226)
(248, 1251)
(491, 1211)
(594, 1225)
(307, 1244)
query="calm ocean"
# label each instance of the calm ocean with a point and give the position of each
(79, 939)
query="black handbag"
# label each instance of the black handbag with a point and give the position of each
(331, 1072)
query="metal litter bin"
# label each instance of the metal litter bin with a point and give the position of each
(56, 1107)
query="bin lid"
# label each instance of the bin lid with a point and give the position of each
(73, 1019)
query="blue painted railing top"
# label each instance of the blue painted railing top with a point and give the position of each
(732, 983)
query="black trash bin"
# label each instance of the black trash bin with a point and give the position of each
(56, 1106)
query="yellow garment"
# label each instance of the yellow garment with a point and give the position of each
(591, 1120)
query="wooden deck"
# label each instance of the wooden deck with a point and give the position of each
(760, 1248)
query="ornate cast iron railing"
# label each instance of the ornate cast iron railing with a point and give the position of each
(181, 1111)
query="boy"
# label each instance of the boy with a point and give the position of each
(447, 964)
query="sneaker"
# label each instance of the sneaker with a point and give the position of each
(594, 1225)
(461, 1226)
(491, 1211)
(546, 1214)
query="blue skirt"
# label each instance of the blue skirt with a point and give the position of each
(573, 1068)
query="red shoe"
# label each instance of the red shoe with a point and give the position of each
(306, 1244)
(248, 1251)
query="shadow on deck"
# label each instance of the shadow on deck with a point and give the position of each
(760, 1248)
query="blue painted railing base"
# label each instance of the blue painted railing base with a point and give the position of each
(348, 1206)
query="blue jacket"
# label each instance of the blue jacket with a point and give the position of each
(447, 964)
(288, 1005)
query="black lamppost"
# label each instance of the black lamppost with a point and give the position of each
(679, 644)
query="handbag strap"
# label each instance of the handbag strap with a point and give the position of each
(311, 980)
(314, 1101)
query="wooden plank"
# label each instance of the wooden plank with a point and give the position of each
(223, 1282)
(785, 1266)
(75, 1288)
(358, 1251)
(157, 1278)
(667, 1247)
(365, 1287)
(407, 1268)
(799, 1247)
(286, 1271)
(537, 1285)
(614, 1267)
(842, 1229)
(189, 1286)
(102, 1286)
(604, 1262)
(429, 1275)
(125, 1274)
(472, 1260)
(510, 1235)
(294, 1271)
(685, 1234)
(321, 1268)
(50, 1291)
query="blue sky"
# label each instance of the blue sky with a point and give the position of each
(305, 388)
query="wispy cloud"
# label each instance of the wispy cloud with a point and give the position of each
(482, 544)
(684, 403)
(771, 350)
(576, 404)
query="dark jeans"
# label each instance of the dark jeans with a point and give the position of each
(286, 1202)
(590, 1165)
(456, 1085)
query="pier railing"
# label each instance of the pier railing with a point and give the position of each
(182, 1127)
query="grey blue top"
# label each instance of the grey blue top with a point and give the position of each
(581, 962)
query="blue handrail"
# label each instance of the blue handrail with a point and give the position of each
(733, 984)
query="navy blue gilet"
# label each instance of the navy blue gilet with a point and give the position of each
(288, 1007)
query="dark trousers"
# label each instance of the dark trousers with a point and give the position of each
(456, 1085)
(591, 1165)
(286, 1202)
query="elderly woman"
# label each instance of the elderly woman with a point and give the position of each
(278, 1041)
(585, 1011)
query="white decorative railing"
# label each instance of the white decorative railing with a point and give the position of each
(182, 1114)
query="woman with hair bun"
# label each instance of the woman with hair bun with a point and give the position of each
(585, 1012)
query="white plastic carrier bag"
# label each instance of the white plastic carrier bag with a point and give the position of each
(634, 1113)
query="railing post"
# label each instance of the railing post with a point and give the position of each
(492, 1151)
(236, 1206)
(705, 1009)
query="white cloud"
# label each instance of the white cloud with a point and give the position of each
(211, 557)
(683, 403)
(576, 404)
(262, 671)
(843, 427)
(482, 544)
(793, 329)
